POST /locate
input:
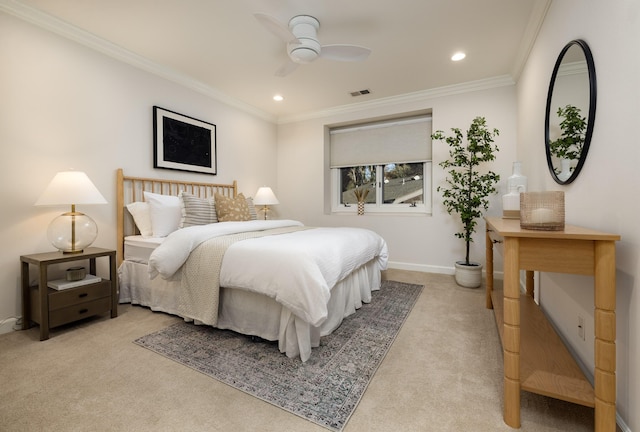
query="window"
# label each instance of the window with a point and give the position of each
(389, 162)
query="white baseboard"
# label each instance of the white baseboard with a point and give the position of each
(621, 424)
(433, 269)
(421, 268)
(7, 325)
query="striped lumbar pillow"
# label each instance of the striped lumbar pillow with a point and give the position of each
(252, 209)
(197, 211)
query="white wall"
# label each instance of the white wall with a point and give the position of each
(604, 196)
(417, 242)
(64, 106)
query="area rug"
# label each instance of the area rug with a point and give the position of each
(326, 388)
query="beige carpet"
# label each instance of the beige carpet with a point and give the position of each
(443, 373)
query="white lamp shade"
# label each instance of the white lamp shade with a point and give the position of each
(70, 187)
(265, 196)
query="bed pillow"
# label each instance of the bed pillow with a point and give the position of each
(165, 213)
(196, 211)
(141, 216)
(252, 209)
(232, 209)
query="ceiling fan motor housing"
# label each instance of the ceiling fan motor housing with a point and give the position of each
(308, 48)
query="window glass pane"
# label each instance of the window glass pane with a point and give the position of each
(362, 178)
(403, 183)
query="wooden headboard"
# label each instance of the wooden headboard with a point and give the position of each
(131, 189)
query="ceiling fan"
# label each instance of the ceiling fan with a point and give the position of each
(302, 43)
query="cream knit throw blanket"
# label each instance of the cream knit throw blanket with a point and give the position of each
(200, 284)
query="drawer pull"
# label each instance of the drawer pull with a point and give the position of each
(83, 295)
(83, 311)
(497, 241)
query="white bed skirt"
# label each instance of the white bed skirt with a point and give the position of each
(255, 314)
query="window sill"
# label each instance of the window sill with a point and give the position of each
(411, 212)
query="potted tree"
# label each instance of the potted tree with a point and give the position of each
(467, 189)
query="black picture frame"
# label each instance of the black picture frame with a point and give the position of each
(183, 143)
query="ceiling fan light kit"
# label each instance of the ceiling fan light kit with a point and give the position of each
(307, 48)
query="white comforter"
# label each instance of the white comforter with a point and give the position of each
(296, 269)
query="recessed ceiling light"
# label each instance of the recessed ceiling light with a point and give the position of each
(278, 98)
(458, 56)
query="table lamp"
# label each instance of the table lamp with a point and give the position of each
(265, 197)
(72, 231)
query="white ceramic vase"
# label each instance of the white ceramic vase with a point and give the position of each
(565, 172)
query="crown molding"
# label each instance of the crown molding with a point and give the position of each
(538, 13)
(421, 96)
(68, 31)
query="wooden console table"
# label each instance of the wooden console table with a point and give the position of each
(535, 359)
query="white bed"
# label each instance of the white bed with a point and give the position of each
(242, 305)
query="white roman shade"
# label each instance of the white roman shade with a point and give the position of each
(397, 141)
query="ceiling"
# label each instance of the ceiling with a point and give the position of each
(221, 48)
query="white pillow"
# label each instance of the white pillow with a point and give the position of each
(141, 216)
(165, 213)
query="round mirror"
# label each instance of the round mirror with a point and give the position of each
(571, 111)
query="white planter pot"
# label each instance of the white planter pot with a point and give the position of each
(468, 276)
(565, 172)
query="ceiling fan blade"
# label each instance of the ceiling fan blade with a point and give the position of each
(344, 52)
(276, 27)
(288, 67)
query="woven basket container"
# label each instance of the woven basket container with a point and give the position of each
(542, 210)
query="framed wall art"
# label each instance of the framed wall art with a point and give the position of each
(183, 143)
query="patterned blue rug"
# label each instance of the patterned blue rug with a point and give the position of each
(327, 388)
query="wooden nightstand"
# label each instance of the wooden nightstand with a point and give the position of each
(52, 308)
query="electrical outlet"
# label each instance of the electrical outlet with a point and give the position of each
(581, 327)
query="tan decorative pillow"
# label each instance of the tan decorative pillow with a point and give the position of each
(232, 209)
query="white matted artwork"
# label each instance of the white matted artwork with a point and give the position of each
(183, 143)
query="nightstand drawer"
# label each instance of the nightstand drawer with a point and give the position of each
(83, 294)
(73, 313)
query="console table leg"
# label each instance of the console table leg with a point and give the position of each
(605, 336)
(489, 271)
(511, 338)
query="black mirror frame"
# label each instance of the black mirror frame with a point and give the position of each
(592, 110)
